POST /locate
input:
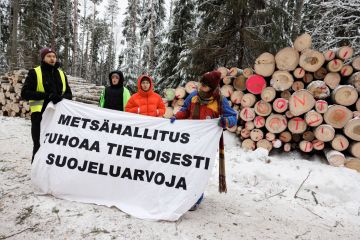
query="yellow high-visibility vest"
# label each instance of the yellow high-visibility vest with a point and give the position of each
(36, 105)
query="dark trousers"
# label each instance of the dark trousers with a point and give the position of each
(35, 131)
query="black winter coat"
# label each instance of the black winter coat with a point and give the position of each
(51, 81)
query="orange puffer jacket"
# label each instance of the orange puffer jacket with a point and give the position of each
(146, 103)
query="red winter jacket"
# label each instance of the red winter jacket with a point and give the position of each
(146, 103)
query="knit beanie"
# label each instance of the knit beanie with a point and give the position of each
(211, 79)
(45, 51)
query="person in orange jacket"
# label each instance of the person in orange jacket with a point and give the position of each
(146, 101)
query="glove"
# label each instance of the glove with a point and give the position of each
(55, 98)
(223, 122)
(172, 119)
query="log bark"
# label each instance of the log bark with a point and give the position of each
(301, 102)
(265, 64)
(287, 59)
(337, 116)
(311, 60)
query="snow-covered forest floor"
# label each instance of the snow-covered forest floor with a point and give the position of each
(266, 200)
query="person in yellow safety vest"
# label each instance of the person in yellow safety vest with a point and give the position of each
(43, 84)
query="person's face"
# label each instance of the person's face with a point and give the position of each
(204, 88)
(145, 85)
(115, 79)
(50, 58)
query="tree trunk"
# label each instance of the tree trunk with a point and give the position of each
(75, 37)
(67, 37)
(14, 30)
(54, 24)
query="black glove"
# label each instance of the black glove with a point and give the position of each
(55, 98)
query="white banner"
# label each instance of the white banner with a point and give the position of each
(145, 166)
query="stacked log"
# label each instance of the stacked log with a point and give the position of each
(12, 82)
(300, 98)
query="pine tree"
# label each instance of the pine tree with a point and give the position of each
(4, 33)
(174, 65)
(131, 66)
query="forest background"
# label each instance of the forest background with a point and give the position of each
(174, 41)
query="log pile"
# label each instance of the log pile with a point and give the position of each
(299, 98)
(11, 84)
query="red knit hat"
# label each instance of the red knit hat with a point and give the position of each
(45, 51)
(211, 79)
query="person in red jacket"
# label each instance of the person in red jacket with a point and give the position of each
(146, 101)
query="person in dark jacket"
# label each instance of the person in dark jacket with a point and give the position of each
(116, 95)
(43, 84)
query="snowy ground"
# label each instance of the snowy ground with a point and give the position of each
(260, 202)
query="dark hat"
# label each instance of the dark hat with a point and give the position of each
(45, 51)
(211, 79)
